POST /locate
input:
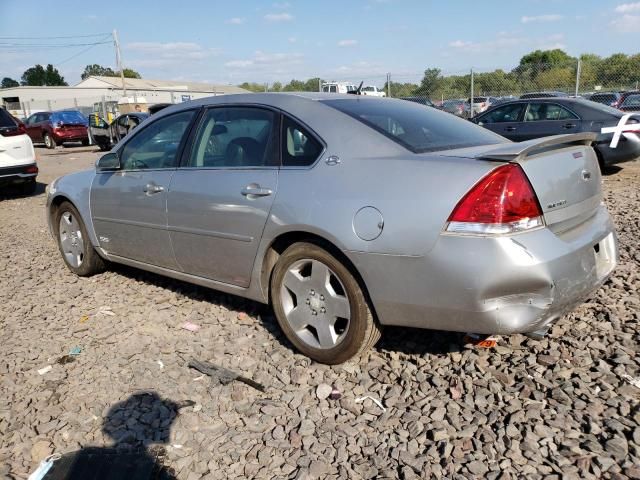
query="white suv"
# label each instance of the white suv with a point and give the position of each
(372, 91)
(17, 156)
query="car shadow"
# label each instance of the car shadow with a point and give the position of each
(11, 192)
(405, 340)
(138, 427)
(611, 170)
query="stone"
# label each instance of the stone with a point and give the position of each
(323, 391)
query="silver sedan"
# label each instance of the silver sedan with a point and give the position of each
(346, 214)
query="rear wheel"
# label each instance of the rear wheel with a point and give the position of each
(85, 142)
(49, 141)
(74, 244)
(29, 187)
(320, 306)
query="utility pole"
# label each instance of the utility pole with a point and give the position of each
(578, 76)
(471, 99)
(119, 61)
(389, 85)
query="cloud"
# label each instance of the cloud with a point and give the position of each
(91, 17)
(460, 44)
(172, 50)
(627, 24)
(278, 17)
(628, 7)
(541, 18)
(292, 39)
(347, 43)
(282, 5)
(503, 41)
(267, 61)
(235, 21)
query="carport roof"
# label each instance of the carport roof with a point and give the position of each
(148, 84)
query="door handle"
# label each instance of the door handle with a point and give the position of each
(569, 125)
(510, 129)
(255, 190)
(152, 188)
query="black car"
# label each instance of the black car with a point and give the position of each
(521, 120)
(420, 100)
(606, 98)
(107, 135)
(629, 102)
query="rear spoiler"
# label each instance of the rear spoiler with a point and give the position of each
(514, 152)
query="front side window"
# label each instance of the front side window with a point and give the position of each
(631, 101)
(157, 145)
(299, 148)
(539, 112)
(416, 128)
(508, 113)
(235, 137)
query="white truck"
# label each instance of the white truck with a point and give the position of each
(372, 91)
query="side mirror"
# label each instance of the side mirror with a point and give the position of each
(108, 162)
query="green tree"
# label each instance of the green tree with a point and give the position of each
(275, 87)
(430, 84)
(546, 59)
(399, 90)
(8, 83)
(40, 76)
(128, 73)
(252, 86)
(96, 70)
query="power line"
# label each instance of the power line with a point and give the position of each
(55, 38)
(81, 52)
(45, 45)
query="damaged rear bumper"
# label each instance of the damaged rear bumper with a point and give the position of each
(492, 285)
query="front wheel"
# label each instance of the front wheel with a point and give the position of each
(74, 244)
(320, 306)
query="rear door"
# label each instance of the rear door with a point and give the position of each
(220, 198)
(505, 120)
(34, 130)
(129, 206)
(543, 119)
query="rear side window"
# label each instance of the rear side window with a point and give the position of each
(508, 113)
(416, 128)
(632, 101)
(604, 98)
(6, 121)
(68, 118)
(299, 148)
(547, 111)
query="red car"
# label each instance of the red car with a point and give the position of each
(56, 128)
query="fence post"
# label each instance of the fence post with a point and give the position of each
(389, 85)
(319, 84)
(49, 105)
(471, 98)
(578, 69)
(24, 110)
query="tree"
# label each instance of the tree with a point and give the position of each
(96, 70)
(275, 87)
(40, 76)
(252, 86)
(546, 59)
(9, 83)
(431, 82)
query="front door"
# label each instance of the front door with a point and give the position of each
(220, 199)
(33, 126)
(128, 206)
(505, 120)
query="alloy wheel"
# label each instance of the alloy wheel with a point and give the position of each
(71, 240)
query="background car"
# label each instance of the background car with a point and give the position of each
(107, 135)
(263, 196)
(338, 87)
(629, 102)
(543, 95)
(457, 106)
(522, 120)
(17, 157)
(606, 98)
(372, 91)
(57, 128)
(420, 100)
(480, 104)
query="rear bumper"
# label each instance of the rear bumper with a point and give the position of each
(18, 174)
(71, 136)
(504, 285)
(628, 149)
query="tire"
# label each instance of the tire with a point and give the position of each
(85, 143)
(331, 292)
(29, 187)
(79, 256)
(49, 141)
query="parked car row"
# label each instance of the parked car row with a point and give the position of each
(628, 101)
(57, 128)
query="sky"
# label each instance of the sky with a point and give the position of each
(230, 42)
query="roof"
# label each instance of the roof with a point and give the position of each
(148, 84)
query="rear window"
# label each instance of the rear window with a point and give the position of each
(68, 117)
(6, 121)
(632, 100)
(603, 98)
(416, 128)
(477, 100)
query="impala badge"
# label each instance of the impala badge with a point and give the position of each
(586, 175)
(104, 239)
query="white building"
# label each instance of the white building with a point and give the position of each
(23, 101)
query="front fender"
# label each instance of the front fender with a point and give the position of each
(75, 188)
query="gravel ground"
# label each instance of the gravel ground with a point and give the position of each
(557, 408)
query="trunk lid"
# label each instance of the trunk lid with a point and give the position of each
(563, 171)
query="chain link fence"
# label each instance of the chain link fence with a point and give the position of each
(452, 91)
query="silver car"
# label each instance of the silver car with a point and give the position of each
(347, 213)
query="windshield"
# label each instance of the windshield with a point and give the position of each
(416, 128)
(68, 118)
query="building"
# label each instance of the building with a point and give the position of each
(93, 93)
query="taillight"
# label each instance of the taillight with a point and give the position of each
(31, 169)
(502, 202)
(13, 131)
